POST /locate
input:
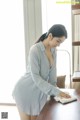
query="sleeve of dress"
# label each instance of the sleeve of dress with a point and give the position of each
(43, 85)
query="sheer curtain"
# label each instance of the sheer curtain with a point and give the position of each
(76, 49)
(54, 13)
(12, 47)
(76, 37)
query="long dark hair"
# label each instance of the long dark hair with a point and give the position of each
(57, 30)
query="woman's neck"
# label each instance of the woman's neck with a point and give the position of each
(46, 44)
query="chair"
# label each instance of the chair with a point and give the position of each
(61, 81)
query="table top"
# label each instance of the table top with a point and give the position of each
(56, 111)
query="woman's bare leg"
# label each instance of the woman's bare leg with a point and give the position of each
(24, 116)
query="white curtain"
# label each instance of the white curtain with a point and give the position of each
(76, 49)
(76, 37)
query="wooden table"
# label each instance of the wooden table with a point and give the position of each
(56, 111)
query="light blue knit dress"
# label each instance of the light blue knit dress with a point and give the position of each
(31, 91)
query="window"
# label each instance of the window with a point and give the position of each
(54, 13)
(12, 47)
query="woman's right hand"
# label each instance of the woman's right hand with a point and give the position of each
(64, 95)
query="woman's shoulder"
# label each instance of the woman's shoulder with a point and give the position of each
(34, 47)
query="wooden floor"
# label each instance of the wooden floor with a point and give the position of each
(9, 113)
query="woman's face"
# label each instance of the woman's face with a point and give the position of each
(56, 41)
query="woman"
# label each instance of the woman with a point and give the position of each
(31, 91)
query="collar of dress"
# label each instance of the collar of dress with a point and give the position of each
(43, 47)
